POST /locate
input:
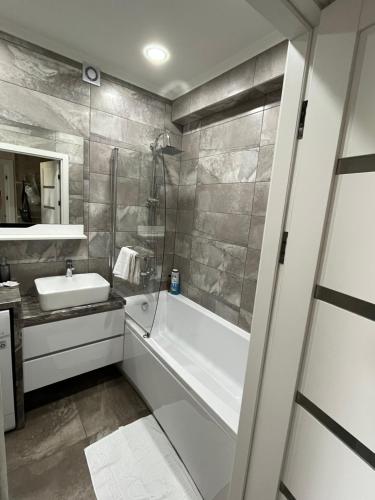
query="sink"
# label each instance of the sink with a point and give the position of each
(59, 292)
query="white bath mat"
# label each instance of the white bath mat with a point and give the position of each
(137, 462)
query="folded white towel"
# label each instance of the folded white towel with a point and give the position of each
(127, 266)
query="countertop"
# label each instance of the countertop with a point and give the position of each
(33, 315)
(9, 297)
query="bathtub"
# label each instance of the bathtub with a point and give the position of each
(190, 372)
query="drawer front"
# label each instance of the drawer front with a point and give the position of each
(40, 340)
(63, 365)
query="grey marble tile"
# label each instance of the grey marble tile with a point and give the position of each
(99, 217)
(248, 295)
(212, 92)
(75, 187)
(235, 166)
(168, 123)
(20, 105)
(169, 242)
(252, 263)
(35, 71)
(269, 126)
(108, 128)
(33, 137)
(63, 475)
(225, 198)
(256, 232)
(141, 135)
(106, 407)
(181, 107)
(128, 103)
(130, 163)
(100, 188)
(219, 255)
(28, 251)
(170, 219)
(26, 273)
(171, 195)
(183, 245)
(264, 168)
(172, 170)
(245, 320)
(232, 228)
(186, 197)
(48, 430)
(100, 158)
(99, 244)
(241, 133)
(72, 249)
(183, 265)
(75, 150)
(127, 191)
(220, 284)
(190, 146)
(75, 210)
(100, 266)
(185, 220)
(75, 172)
(260, 198)
(241, 78)
(188, 172)
(129, 218)
(227, 312)
(270, 64)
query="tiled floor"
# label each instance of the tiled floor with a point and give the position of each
(46, 460)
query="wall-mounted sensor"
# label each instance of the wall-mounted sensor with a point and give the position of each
(90, 74)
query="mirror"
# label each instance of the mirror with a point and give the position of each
(33, 187)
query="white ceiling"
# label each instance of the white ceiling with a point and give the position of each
(205, 37)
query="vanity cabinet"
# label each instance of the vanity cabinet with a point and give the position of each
(62, 349)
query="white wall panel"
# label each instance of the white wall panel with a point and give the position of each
(339, 371)
(320, 467)
(360, 132)
(349, 261)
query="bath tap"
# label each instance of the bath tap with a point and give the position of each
(69, 268)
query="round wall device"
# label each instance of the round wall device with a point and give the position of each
(90, 74)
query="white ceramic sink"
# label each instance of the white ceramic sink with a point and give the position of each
(58, 292)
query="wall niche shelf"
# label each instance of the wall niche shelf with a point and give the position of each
(43, 232)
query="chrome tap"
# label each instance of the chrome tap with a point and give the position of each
(69, 268)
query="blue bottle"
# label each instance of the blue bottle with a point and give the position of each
(175, 282)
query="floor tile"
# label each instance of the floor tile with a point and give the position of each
(107, 406)
(48, 429)
(61, 476)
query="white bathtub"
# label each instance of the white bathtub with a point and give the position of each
(191, 372)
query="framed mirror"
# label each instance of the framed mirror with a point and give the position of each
(34, 194)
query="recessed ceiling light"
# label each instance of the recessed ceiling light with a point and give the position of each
(156, 54)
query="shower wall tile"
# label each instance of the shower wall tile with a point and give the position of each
(269, 127)
(27, 252)
(190, 146)
(232, 228)
(34, 71)
(100, 188)
(252, 263)
(248, 295)
(263, 171)
(128, 103)
(219, 255)
(256, 232)
(71, 249)
(240, 133)
(236, 166)
(186, 197)
(183, 245)
(108, 128)
(129, 218)
(260, 198)
(226, 198)
(188, 172)
(270, 64)
(99, 217)
(99, 243)
(29, 107)
(127, 191)
(185, 220)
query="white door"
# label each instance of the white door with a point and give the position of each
(7, 193)
(314, 434)
(50, 192)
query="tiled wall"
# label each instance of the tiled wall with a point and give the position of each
(222, 198)
(45, 104)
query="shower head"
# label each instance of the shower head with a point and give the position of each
(167, 149)
(170, 150)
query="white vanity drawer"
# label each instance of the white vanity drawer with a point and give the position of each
(63, 365)
(48, 338)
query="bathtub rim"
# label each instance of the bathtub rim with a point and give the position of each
(138, 331)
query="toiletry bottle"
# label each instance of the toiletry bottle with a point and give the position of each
(4, 270)
(175, 282)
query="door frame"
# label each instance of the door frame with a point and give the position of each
(265, 428)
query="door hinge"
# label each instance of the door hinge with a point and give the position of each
(58, 176)
(283, 247)
(302, 118)
(59, 203)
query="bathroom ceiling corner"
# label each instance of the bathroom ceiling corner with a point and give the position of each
(204, 38)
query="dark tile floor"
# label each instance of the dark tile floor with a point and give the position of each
(46, 459)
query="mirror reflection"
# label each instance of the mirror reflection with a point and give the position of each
(30, 191)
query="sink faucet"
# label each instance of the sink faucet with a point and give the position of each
(69, 268)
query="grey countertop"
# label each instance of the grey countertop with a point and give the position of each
(33, 315)
(9, 297)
